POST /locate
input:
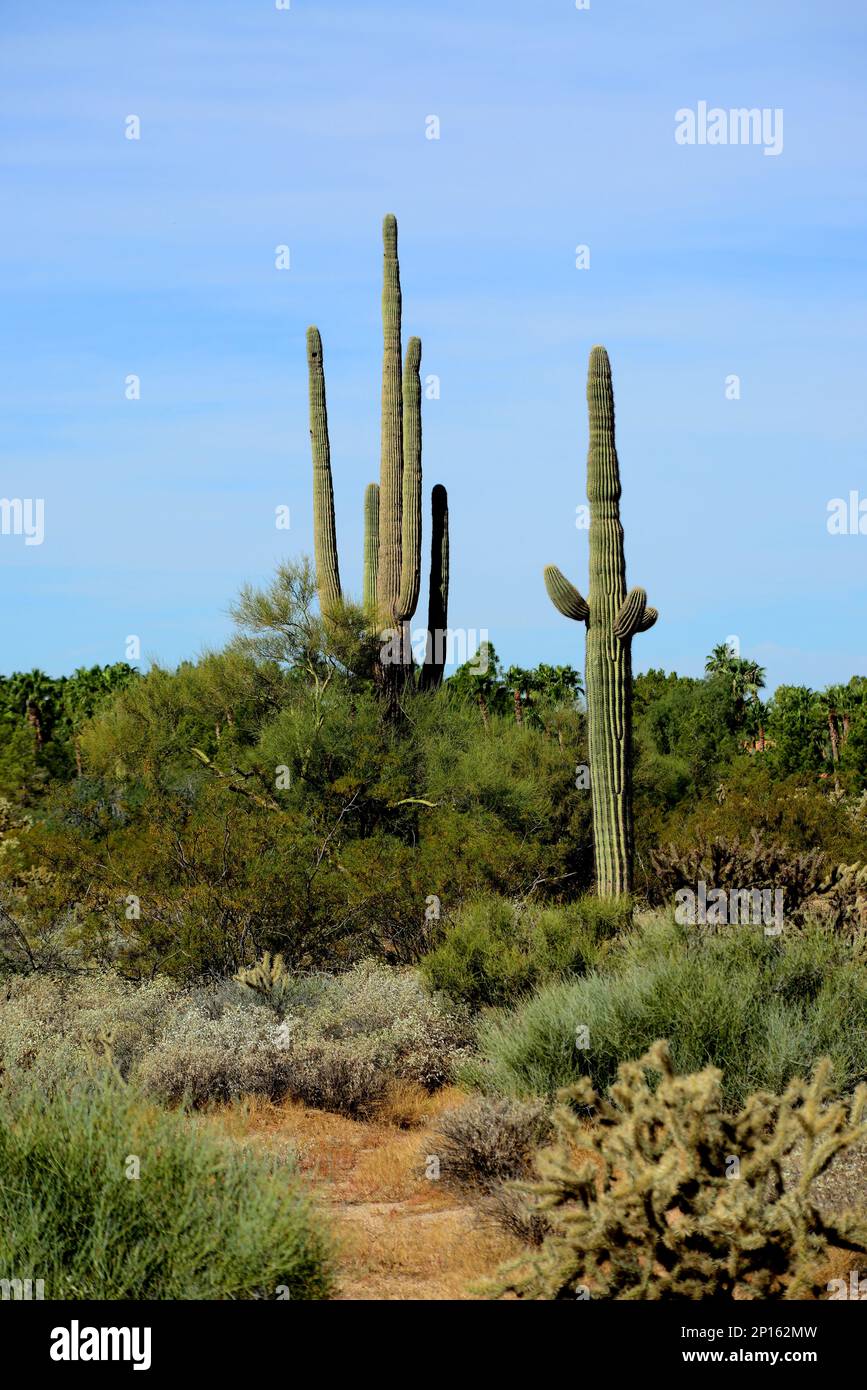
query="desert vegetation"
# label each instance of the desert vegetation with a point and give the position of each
(304, 934)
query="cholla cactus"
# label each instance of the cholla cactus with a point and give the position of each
(268, 978)
(664, 1195)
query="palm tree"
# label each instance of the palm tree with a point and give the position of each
(746, 679)
(835, 704)
(720, 660)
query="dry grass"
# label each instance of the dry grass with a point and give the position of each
(401, 1235)
(392, 1251)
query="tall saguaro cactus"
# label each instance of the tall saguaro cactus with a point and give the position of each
(399, 571)
(410, 533)
(438, 591)
(613, 617)
(391, 450)
(392, 509)
(324, 529)
(371, 546)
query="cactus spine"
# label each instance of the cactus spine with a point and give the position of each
(371, 546)
(438, 592)
(613, 617)
(324, 530)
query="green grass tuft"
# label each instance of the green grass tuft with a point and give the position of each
(202, 1221)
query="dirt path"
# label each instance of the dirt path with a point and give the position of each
(399, 1234)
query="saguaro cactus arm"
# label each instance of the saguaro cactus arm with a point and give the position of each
(564, 596)
(371, 546)
(324, 529)
(410, 549)
(630, 615)
(438, 591)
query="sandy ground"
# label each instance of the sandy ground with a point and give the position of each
(400, 1235)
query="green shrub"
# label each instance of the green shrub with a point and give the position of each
(644, 1203)
(495, 950)
(178, 769)
(762, 1009)
(201, 1221)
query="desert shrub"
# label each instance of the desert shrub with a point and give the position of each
(762, 1009)
(517, 1211)
(52, 1027)
(652, 1211)
(336, 1041)
(495, 950)
(349, 1078)
(420, 1037)
(201, 1060)
(202, 1221)
(369, 1027)
(343, 1041)
(488, 1141)
(483, 1146)
(811, 885)
(178, 768)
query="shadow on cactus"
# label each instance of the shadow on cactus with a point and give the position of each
(665, 1195)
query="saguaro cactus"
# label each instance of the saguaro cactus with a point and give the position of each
(613, 617)
(391, 451)
(324, 530)
(410, 535)
(438, 591)
(371, 546)
(399, 572)
(392, 510)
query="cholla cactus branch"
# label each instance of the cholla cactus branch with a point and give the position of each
(665, 1195)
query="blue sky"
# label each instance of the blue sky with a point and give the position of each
(262, 127)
